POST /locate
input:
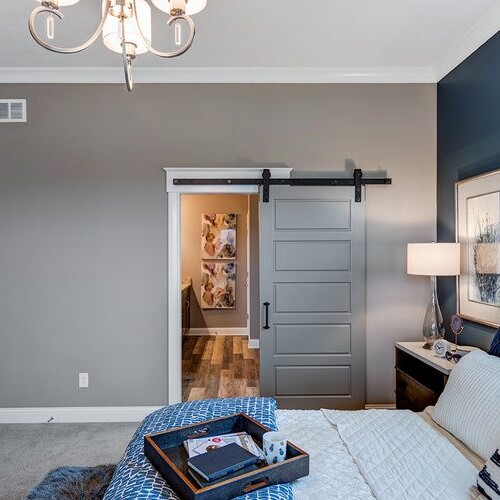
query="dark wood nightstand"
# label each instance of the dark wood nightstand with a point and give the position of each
(420, 376)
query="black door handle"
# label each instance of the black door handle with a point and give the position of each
(266, 322)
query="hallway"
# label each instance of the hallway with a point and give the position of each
(219, 367)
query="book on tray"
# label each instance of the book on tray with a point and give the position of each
(216, 458)
(203, 483)
(222, 461)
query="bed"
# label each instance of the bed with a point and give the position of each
(383, 454)
(344, 466)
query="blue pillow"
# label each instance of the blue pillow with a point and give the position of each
(495, 345)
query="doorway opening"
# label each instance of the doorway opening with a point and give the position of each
(174, 192)
(219, 295)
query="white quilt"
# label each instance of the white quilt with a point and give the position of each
(389, 455)
(402, 457)
(333, 473)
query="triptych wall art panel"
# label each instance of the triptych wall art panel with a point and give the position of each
(478, 232)
(218, 243)
(218, 236)
(218, 284)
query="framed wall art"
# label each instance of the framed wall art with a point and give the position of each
(478, 232)
(218, 285)
(218, 236)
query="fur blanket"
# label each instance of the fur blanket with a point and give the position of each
(74, 483)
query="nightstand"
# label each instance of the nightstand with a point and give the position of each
(420, 375)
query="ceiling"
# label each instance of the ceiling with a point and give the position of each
(268, 40)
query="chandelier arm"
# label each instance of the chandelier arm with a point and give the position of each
(57, 13)
(175, 53)
(127, 61)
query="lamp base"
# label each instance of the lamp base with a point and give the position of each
(433, 328)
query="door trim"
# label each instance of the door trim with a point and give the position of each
(174, 192)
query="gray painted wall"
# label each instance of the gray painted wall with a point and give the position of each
(83, 218)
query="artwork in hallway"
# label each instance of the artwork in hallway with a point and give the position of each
(218, 236)
(478, 231)
(218, 285)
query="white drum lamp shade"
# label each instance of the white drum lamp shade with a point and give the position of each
(433, 259)
(111, 30)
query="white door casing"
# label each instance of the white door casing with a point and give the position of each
(174, 192)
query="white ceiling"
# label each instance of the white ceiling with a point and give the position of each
(268, 40)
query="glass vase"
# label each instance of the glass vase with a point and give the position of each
(433, 327)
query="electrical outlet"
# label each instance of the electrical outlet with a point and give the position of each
(83, 380)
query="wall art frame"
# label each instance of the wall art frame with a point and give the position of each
(218, 236)
(477, 223)
(218, 285)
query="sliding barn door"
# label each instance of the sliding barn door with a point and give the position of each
(312, 338)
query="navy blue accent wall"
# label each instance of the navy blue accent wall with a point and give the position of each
(468, 144)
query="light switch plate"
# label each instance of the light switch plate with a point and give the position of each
(83, 380)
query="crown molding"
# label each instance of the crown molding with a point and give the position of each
(480, 33)
(219, 75)
(472, 39)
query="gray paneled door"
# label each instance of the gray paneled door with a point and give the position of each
(313, 278)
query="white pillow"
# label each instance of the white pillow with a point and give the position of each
(469, 406)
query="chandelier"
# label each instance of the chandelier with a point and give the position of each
(125, 26)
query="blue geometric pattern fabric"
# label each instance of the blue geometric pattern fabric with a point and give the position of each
(135, 478)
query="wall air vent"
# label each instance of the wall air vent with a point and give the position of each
(12, 110)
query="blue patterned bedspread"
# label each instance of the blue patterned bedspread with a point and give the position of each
(136, 478)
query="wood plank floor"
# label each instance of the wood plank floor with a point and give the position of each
(218, 367)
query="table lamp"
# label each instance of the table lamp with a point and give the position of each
(433, 259)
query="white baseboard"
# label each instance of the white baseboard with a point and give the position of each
(102, 414)
(218, 331)
(383, 406)
(253, 343)
(75, 414)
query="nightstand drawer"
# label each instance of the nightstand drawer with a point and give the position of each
(411, 394)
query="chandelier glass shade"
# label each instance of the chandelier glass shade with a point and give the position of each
(192, 6)
(125, 27)
(62, 3)
(111, 31)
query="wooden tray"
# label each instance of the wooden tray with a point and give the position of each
(166, 452)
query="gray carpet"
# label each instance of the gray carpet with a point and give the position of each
(29, 451)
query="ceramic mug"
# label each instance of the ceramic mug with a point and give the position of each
(274, 447)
